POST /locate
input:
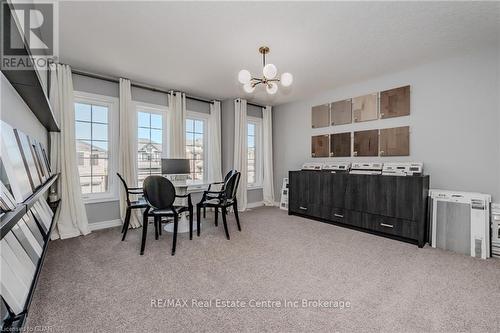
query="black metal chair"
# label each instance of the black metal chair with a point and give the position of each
(226, 178)
(221, 199)
(138, 204)
(159, 193)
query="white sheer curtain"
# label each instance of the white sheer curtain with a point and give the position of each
(127, 166)
(214, 145)
(267, 143)
(240, 150)
(72, 219)
(177, 124)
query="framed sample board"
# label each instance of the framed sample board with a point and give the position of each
(46, 160)
(320, 146)
(28, 159)
(7, 201)
(14, 174)
(37, 156)
(366, 143)
(365, 108)
(341, 112)
(340, 144)
(395, 102)
(320, 116)
(20, 251)
(395, 141)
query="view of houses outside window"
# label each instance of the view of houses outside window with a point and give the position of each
(195, 147)
(91, 133)
(251, 158)
(149, 144)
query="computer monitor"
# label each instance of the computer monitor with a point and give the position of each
(175, 166)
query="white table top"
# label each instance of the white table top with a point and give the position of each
(191, 185)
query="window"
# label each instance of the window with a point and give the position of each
(94, 138)
(151, 139)
(196, 144)
(81, 156)
(254, 151)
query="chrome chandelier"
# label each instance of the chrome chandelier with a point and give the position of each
(269, 76)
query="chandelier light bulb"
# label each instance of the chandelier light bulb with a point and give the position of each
(286, 79)
(270, 71)
(248, 88)
(272, 88)
(244, 76)
(269, 77)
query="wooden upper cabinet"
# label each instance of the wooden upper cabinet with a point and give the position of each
(320, 116)
(320, 146)
(395, 141)
(341, 112)
(366, 143)
(395, 102)
(340, 145)
(364, 108)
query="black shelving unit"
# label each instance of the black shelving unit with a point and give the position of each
(9, 219)
(28, 85)
(15, 323)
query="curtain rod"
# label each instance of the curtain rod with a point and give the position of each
(135, 84)
(144, 86)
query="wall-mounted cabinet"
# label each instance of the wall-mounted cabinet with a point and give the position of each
(341, 112)
(364, 108)
(395, 102)
(366, 143)
(320, 146)
(320, 116)
(395, 141)
(340, 145)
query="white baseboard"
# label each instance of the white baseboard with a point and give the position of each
(105, 224)
(118, 222)
(255, 204)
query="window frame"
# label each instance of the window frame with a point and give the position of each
(156, 109)
(204, 117)
(259, 165)
(112, 104)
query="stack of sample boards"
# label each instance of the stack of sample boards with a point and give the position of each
(25, 219)
(21, 250)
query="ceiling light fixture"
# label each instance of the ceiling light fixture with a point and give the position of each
(269, 76)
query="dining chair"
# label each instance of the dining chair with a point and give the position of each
(160, 196)
(226, 178)
(137, 204)
(221, 199)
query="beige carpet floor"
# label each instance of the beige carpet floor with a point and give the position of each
(99, 284)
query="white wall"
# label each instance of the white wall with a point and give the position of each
(454, 122)
(17, 114)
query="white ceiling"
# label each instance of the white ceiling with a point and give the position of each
(199, 47)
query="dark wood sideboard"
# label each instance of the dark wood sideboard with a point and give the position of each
(389, 206)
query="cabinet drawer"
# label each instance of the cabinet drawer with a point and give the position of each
(332, 213)
(385, 224)
(390, 225)
(312, 210)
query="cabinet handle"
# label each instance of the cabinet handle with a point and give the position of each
(387, 225)
(303, 208)
(338, 215)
